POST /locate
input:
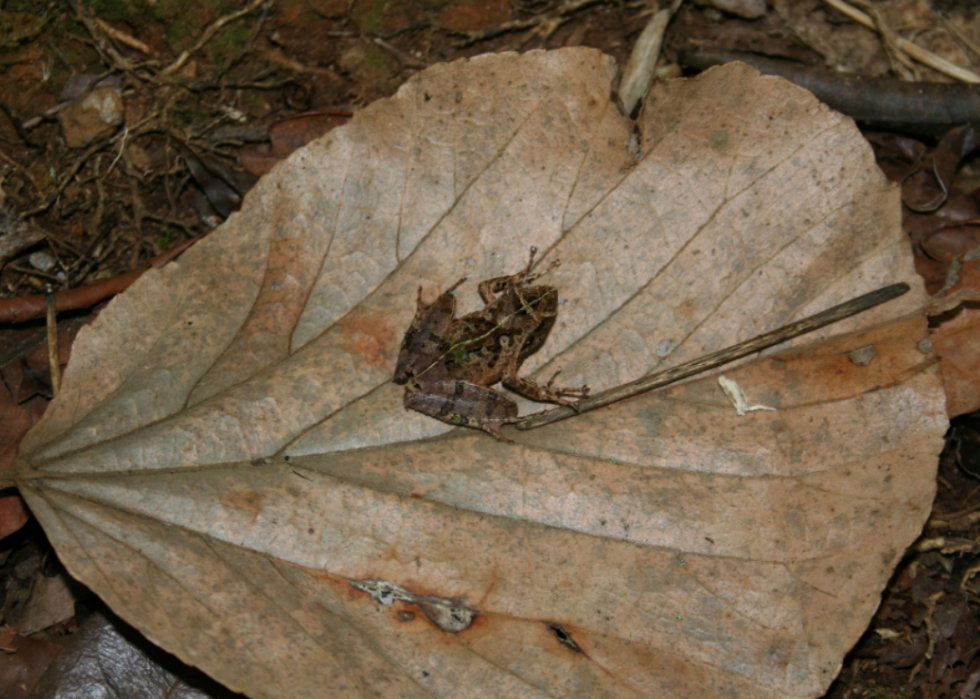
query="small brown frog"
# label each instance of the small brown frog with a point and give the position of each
(449, 363)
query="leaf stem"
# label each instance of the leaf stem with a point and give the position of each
(716, 359)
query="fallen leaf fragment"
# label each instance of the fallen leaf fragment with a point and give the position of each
(957, 340)
(51, 602)
(23, 308)
(16, 236)
(288, 135)
(106, 658)
(13, 515)
(20, 671)
(230, 468)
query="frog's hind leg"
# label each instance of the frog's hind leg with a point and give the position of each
(461, 403)
(548, 393)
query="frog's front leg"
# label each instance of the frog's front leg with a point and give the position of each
(459, 402)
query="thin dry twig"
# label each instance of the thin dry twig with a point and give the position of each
(100, 37)
(145, 125)
(53, 355)
(208, 34)
(31, 272)
(22, 170)
(956, 31)
(276, 56)
(18, 310)
(903, 66)
(123, 38)
(66, 178)
(546, 25)
(16, 236)
(405, 59)
(915, 51)
(716, 359)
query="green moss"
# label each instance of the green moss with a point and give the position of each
(184, 19)
(324, 8)
(19, 6)
(20, 28)
(165, 239)
(379, 60)
(131, 12)
(382, 68)
(254, 102)
(371, 16)
(178, 34)
(229, 39)
(379, 16)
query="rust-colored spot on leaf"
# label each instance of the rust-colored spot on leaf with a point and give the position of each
(372, 338)
(245, 500)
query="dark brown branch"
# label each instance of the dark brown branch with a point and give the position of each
(921, 109)
(18, 310)
(716, 359)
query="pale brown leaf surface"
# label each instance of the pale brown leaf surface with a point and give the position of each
(229, 466)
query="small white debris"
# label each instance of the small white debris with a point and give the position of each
(235, 115)
(737, 396)
(633, 146)
(42, 260)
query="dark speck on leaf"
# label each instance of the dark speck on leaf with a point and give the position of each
(564, 637)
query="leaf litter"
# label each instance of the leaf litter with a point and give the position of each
(227, 460)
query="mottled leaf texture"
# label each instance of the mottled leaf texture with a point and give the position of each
(229, 466)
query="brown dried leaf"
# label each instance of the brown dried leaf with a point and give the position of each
(229, 466)
(106, 658)
(957, 341)
(288, 135)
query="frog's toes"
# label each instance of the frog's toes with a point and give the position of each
(493, 429)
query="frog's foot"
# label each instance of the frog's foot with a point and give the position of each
(493, 429)
(549, 393)
(560, 393)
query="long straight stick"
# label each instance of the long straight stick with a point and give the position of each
(716, 359)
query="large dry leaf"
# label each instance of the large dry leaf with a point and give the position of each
(231, 469)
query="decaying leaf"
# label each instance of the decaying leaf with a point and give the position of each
(106, 658)
(956, 339)
(229, 466)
